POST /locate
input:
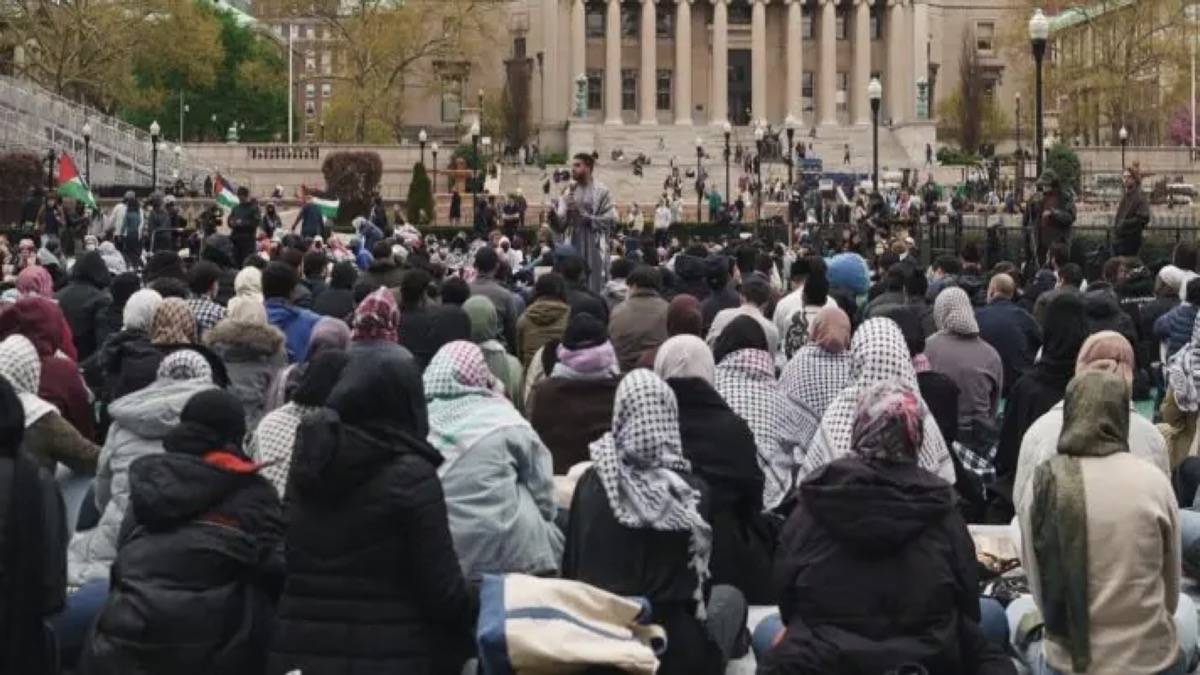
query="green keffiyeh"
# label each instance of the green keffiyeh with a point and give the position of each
(1095, 424)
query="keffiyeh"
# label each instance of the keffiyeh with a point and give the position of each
(376, 317)
(639, 463)
(113, 260)
(888, 423)
(1183, 373)
(185, 364)
(173, 323)
(20, 365)
(952, 312)
(811, 380)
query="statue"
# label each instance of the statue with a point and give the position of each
(581, 84)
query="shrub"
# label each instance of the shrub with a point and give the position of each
(1065, 163)
(20, 171)
(948, 156)
(420, 198)
(352, 177)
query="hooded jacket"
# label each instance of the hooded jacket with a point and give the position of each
(876, 569)
(384, 272)
(84, 300)
(1175, 327)
(218, 249)
(543, 321)
(190, 591)
(1104, 313)
(297, 325)
(253, 354)
(125, 363)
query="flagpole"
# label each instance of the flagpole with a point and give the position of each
(291, 89)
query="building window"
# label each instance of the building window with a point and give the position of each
(662, 90)
(840, 26)
(594, 21)
(326, 63)
(310, 32)
(310, 61)
(989, 89)
(310, 110)
(806, 23)
(595, 89)
(310, 90)
(452, 101)
(326, 90)
(985, 33)
(630, 18)
(628, 89)
(876, 33)
(664, 20)
(739, 11)
(843, 81)
(295, 31)
(806, 86)
(326, 32)
(279, 30)
(519, 48)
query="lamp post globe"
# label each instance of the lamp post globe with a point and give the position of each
(875, 95)
(87, 152)
(421, 138)
(155, 130)
(1123, 135)
(1039, 32)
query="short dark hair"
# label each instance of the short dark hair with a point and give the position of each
(756, 289)
(169, 287)
(455, 291)
(254, 260)
(746, 257)
(1193, 291)
(586, 158)
(645, 276)
(816, 290)
(1184, 256)
(1059, 254)
(202, 276)
(278, 280)
(970, 253)
(1071, 275)
(620, 268)
(414, 286)
(382, 249)
(486, 260)
(915, 283)
(948, 264)
(243, 191)
(364, 288)
(887, 259)
(570, 267)
(801, 268)
(1006, 267)
(314, 263)
(344, 275)
(550, 285)
(893, 279)
(292, 257)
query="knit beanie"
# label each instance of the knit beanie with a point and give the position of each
(583, 331)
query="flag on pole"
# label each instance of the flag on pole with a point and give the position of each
(328, 207)
(70, 183)
(225, 192)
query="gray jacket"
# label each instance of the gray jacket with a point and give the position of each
(254, 354)
(140, 421)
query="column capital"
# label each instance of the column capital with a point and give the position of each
(864, 2)
(896, 3)
(719, 2)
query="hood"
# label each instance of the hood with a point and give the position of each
(1139, 284)
(689, 267)
(168, 489)
(1101, 304)
(129, 342)
(153, 411)
(231, 338)
(616, 289)
(91, 269)
(382, 266)
(547, 312)
(332, 459)
(218, 249)
(876, 507)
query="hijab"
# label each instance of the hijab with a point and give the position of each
(1183, 372)
(830, 330)
(376, 317)
(139, 310)
(382, 392)
(329, 334)
(1107, 351)
(953, 314)
(585, 352)
(35, 280)
(113, 260)
(888, 424)
(744, 332)
(1095, 424)
(485, 320)
(247, 310)
(684, 316)
(1063, 332)
(173, 323)
(248, 282)
(684, 356)
(639, 463)
(466, 402)
(21, 367)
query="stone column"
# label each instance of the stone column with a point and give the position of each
(758, 61)
(551, 75)
(683, 62)
(578, 46)
(827, 78)
(894, 87)
(719, 105)
(795, 62)
(919, 66)
(612, 63)
(861, 75)
(648, 105)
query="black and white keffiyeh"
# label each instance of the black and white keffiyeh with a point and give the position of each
(1183, 372)
(746, 380)
(639, 462)
(272, 441)
(953, 313)
(814, 377)
(878, 353)
(185, 364)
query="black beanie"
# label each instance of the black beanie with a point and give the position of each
(583, 331)
(211, 420)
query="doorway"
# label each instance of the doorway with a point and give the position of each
(739, 86)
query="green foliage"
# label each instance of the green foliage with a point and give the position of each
(420, 206)
(949, 156)
(20, 171)
(1065, 163)
(352, 177)
(554, 158)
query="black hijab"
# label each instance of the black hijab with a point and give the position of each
(744, 332)
(1063, 334)
(381, 389)
(320, 376)
(22, 638)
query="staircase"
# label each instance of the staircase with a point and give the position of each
(35, 119)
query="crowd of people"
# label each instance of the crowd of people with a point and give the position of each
(307, 457)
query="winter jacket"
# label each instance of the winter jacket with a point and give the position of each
(84, 300)
(1175, 327)
(62, 385)
(1013, 333)
(720, 446)
(51, 440)
(140, 421)
(296, 323)
(54, 533)
(335, 302)
(637, 324)
(190, 585)
(316, 285)
(125, 363)
(1147, 317)
(543, 321)
(1104, 313)
(1133, 215)
(424, 330)
(374, 585)
(876, 569)
(384, 273)
(569, 415)
(723, 298)
(218, 249)
(253, 354)
(647, 563)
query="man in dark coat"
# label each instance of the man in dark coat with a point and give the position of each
(1133, 214)
(219, 249)
(1010, 330)
(579, 296)
(244, 221)
(84, 300)
(426, 326)
(1052, 214)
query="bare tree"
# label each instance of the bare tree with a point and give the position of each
(518, 73)
(971, 95)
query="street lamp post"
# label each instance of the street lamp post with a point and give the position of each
(699, 181)
(421, 138)
(51, 163)
(758, 198)
(1020, 171)
(791, 157)
(1123, 135)
(216, 129)
(1039, 31)
(475, 150)
(178, 160)
(87, 152)
(728, 129)
(154, 132)
(434, 149)
(874, 94)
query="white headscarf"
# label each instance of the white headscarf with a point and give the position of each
(248, 282)
(952, 312)
(685, 356)
(639, 463)
(139, 310)
(20, 365)
(247, 309)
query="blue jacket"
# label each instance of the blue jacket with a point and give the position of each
(1013, 333)
(296, 323)
(1175, 327)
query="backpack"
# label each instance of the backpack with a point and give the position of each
(131, 224)
(797, 333)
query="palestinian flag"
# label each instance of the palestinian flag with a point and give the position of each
(70, 183)
(328, 207)
(225, 192)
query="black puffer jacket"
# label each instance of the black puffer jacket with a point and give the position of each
(374, 586)
(197, 557)
(84, 300)
(876, 569)
(125, 363)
